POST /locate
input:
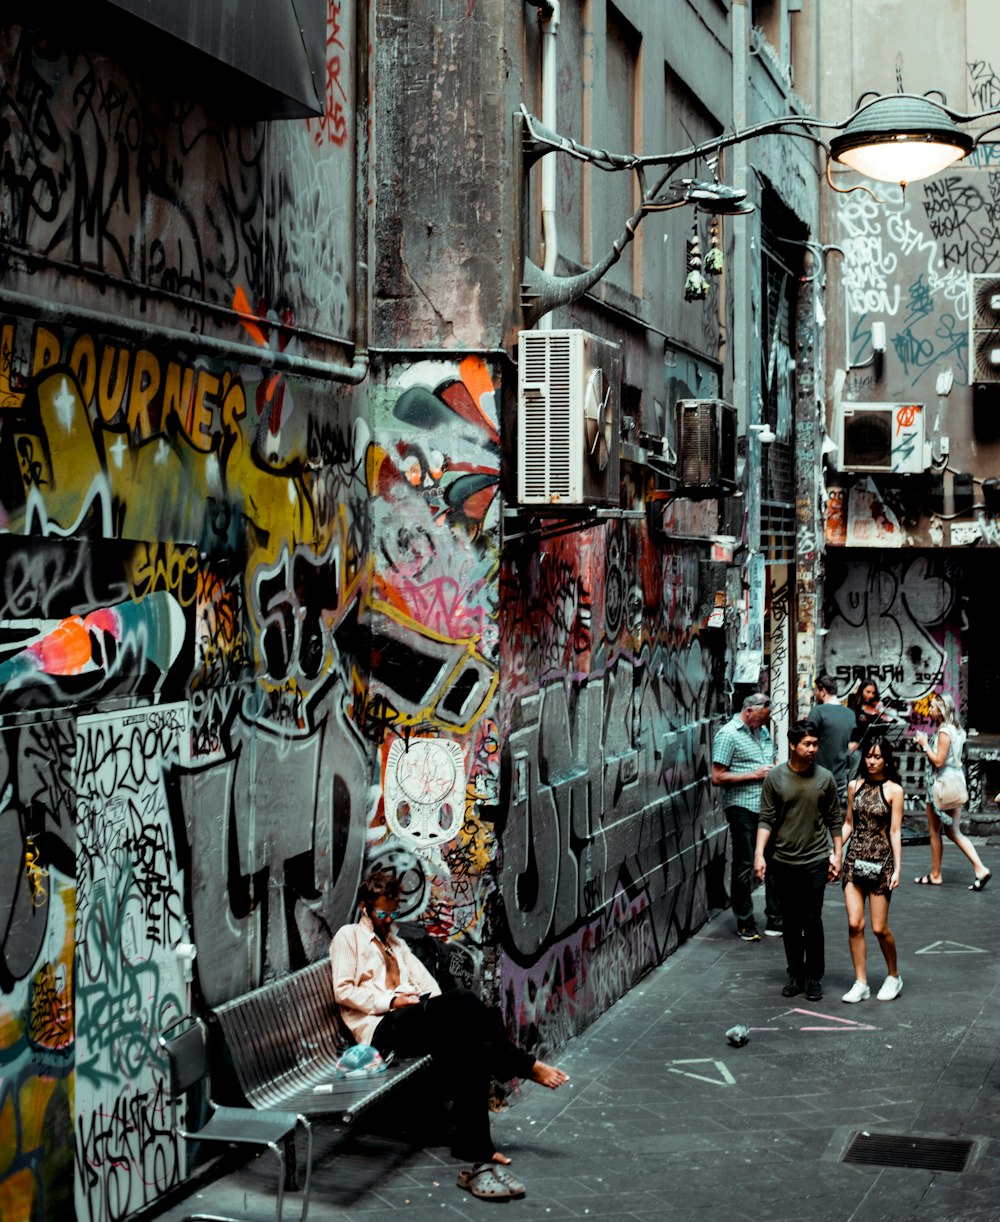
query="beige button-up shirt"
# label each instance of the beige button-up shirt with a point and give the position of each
(359, 976)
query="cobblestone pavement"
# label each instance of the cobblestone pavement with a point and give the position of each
(662, 1118)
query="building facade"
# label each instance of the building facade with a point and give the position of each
(913, 445)
(277, 603)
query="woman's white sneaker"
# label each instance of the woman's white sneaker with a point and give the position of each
(891, 989)
(859, 991)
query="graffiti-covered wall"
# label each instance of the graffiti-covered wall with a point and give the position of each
(898, 624)
(921, 263)
(259, 624)
(186, 597)
(431, 710)
(610, 687)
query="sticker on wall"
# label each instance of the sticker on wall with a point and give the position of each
(425, 789)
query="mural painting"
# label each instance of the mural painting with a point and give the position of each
(610, 828)
(251, 637)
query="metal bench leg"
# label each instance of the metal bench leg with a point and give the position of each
(287, 1173)
(291, 1169)
(307, 1127)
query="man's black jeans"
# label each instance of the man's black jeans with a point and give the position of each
(470, 1047)
(743, 830)
(800, 891)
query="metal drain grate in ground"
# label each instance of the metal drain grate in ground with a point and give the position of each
(905, 1150)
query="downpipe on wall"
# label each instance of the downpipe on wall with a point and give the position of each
(549, 17)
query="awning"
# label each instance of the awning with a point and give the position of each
(273, 50)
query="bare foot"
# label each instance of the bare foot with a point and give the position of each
(548, 1075)
(502, 1159)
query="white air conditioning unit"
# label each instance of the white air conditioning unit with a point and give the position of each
(881, 438)
(568, 419)
(984, 330)
(706, 447)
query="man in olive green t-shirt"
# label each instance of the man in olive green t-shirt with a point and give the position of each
(800, 808)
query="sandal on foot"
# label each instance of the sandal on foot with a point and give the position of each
(490, 1182)
(925, 880)
(980, 883)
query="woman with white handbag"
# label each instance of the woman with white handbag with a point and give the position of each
(947, 793)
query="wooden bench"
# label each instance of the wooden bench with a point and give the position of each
(285, 1039)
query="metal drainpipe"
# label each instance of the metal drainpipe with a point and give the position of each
(743, 341)
(549, 16)
(210, 345)
(745, 375)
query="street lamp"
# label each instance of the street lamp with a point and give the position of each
(902, 137)
(896, 137)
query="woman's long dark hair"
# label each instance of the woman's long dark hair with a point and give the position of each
(855, 702)
(891, 770)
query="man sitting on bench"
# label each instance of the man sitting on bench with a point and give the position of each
(390, 1000)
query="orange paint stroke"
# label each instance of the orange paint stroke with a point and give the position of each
(65, 651)
(248, 320)
(476, 377)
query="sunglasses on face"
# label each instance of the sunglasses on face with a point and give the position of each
(380, 914)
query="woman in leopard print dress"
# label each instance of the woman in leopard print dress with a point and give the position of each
(872, 834)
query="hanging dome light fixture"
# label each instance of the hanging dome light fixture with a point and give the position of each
(901, 137)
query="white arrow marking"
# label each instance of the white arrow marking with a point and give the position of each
(847, 1025)
(726, 1076)
(950, 948)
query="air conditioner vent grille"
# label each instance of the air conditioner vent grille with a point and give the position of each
(706, 446)
(568, 433)
(984, 330)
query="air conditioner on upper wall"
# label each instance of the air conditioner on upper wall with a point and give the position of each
(568, 419)
(881, 438)
(706, 446)
(984, 330)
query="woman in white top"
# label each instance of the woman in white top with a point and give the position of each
(944, 751)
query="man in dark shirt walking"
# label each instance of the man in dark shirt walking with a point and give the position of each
(800, 810)
(837, 730)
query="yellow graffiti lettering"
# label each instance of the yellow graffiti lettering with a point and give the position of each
(47, 350)
(83, 362)
(145, 383)
(234, 407)
(112, 382)
(164, 566)
(200, 432)
(178, 396)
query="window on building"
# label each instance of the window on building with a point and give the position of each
(618, 128)
(771, 18)
(781, 269)
(696, 324)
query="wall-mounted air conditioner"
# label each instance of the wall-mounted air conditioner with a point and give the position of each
(706, 446)
(881, 438)
(568, 419)
(984, 330)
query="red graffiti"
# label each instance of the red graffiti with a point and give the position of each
(906, 416)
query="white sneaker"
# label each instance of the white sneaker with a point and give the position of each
(859, 991)
(891, 989)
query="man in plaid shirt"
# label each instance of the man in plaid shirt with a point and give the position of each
(742, 756)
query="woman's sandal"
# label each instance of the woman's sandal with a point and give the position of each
(980, 883)
(491, 1182)
(925, 880)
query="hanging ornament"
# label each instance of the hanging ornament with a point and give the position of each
(714, 261)
(695, 286)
